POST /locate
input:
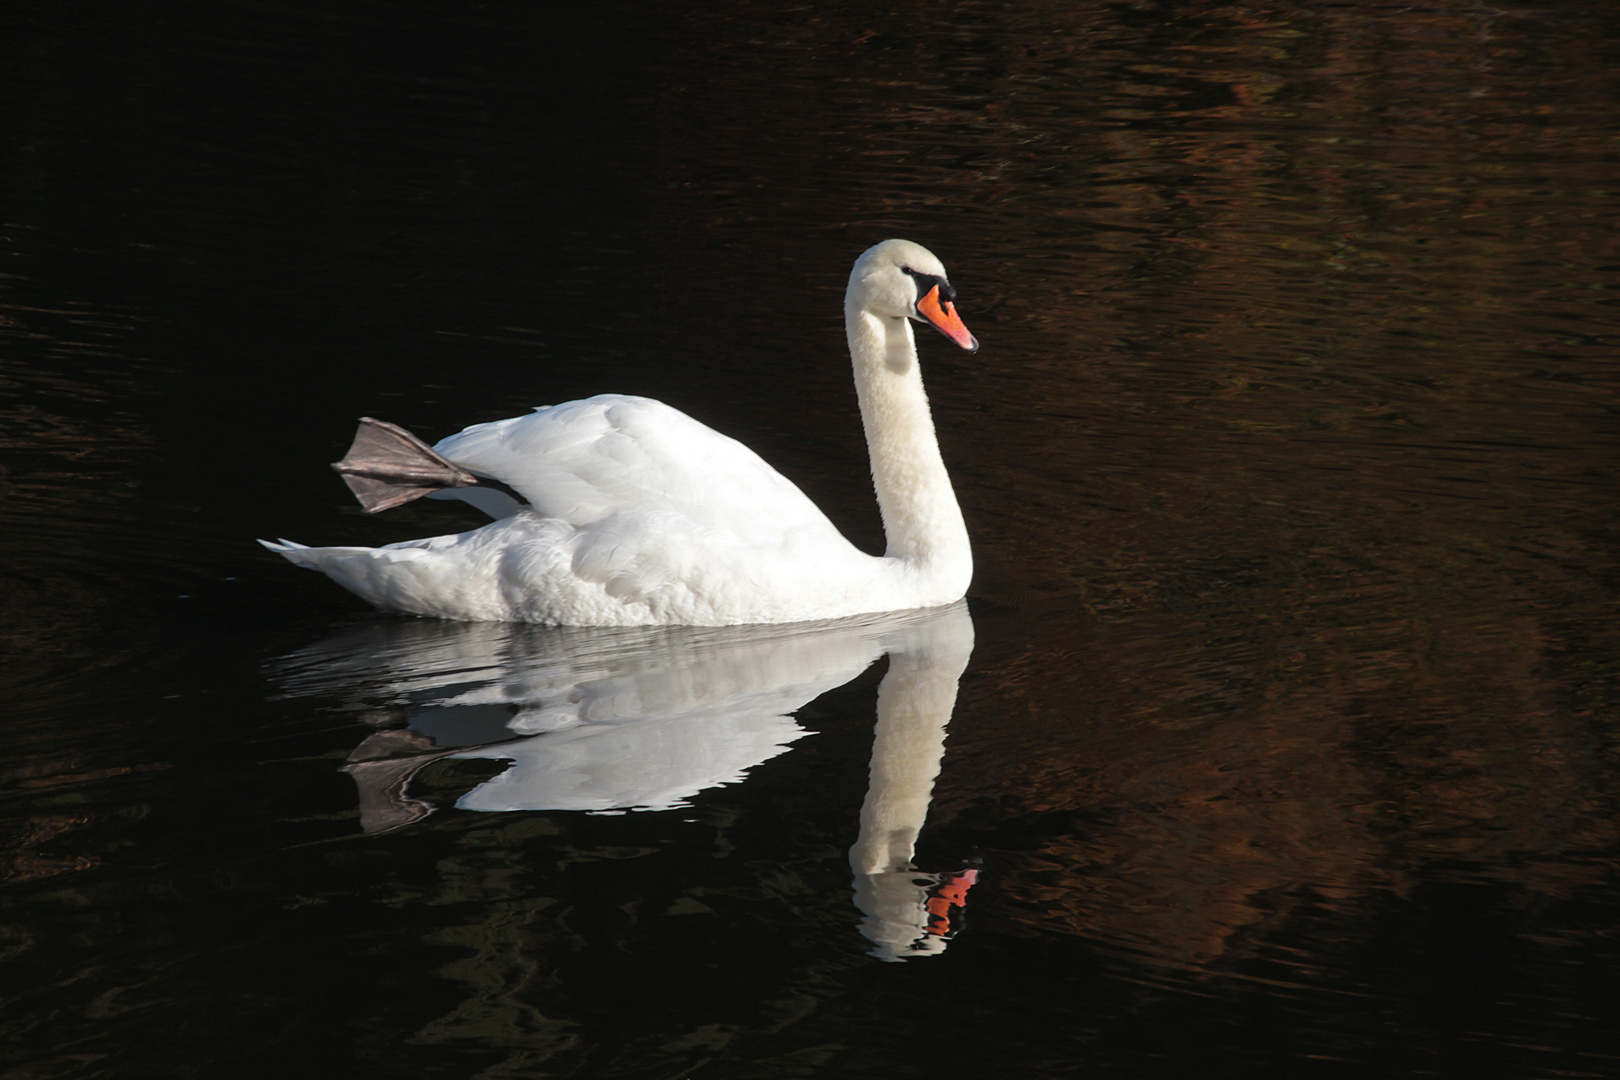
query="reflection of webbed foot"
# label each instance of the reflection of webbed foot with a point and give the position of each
(387, 466)
(382, 766)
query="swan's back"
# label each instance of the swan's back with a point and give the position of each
(584, 461)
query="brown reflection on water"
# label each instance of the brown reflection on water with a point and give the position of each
(1290, 451)
(1210, 774)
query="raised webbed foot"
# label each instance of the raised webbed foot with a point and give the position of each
(387, 466)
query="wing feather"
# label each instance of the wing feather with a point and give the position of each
(588, 460)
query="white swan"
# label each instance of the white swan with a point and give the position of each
(639, 515)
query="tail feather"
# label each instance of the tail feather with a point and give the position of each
(292, 551)
(413, 578)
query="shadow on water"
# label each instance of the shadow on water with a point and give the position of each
(1287, 744)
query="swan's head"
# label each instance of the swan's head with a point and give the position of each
(902, 280)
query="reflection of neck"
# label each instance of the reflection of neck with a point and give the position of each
(914, 705)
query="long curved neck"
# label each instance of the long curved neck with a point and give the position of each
(921, 518)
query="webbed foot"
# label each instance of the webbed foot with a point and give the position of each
(387, 466)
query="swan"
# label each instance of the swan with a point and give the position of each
(634, 514)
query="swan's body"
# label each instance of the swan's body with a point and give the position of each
(639, 515)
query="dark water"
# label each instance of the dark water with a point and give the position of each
(1289, 742)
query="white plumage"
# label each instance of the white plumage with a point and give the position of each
(639, 515)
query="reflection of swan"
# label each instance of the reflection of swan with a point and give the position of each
(909, 913)
(646, 717)
(591, 718)
(642, 516)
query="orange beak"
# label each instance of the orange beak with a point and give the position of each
(945, 319)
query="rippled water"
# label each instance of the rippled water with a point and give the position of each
(1287, 741)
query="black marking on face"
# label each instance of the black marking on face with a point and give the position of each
(928, 281)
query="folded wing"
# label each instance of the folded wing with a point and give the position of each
(586, 461)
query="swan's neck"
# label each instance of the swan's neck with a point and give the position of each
(921, 519)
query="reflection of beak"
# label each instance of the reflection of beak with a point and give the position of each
(945, 319)
(951, 892)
